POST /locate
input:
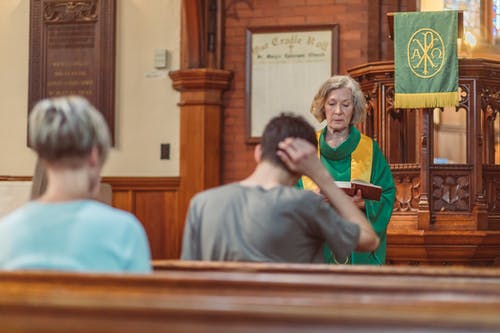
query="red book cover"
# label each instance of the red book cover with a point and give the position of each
(368, 191)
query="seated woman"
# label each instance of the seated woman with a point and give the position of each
(65, 228)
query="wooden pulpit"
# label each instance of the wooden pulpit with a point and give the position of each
(447, 210)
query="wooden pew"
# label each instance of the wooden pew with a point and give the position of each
(184, 301)
(433, 272)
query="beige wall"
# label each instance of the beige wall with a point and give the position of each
(430, 5)
(146, 110)
(15, 158)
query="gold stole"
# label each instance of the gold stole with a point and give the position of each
(361, 162)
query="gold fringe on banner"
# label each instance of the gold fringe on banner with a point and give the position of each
(426, 100)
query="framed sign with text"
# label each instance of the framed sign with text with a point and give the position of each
(72, 52)
(284, 68)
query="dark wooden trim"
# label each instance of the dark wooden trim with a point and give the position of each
(200, 79)
(202, 34)
(108, 57)
(125, 183)
(36, 75)
(15, 178)
(143, 183)
(192, 54)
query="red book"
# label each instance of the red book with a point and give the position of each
(368, 191)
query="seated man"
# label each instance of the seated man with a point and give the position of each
(264, 218)
(65, 229)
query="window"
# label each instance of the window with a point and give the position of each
(450, 135)
(472, 14)
(496, 21)
(481, 17)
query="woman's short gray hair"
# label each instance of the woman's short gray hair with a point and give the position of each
(337, 82)
(64, 128)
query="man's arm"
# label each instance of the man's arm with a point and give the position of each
(301, 157)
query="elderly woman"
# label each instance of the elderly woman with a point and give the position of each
(349, 155)
(65, 228)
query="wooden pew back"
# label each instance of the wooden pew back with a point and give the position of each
(365, 270)
(243, 302)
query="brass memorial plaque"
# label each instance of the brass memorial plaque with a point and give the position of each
(72, 52)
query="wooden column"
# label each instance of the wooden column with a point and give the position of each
(424, 215)
(200, 131)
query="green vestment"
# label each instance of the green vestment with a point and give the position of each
(338, 162)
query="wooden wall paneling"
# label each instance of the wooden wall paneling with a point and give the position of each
(453, 221)
(476, 248)
(150, 208)
(124, 199)
(154, 201)
(174, 228)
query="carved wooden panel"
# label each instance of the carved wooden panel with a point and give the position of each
(450, 193)
(407, 193)
(464, 91)
(72, 52)
(491, 185)
(490, 105)
(372, 108)
(490, 101)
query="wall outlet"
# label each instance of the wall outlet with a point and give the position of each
(165, 151)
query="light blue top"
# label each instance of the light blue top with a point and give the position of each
(81, 235)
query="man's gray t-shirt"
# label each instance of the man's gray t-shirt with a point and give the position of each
(282, 224)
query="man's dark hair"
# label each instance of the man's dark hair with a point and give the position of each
(286, 125)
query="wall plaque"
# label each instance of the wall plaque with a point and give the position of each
(72, 52)
(285, 67)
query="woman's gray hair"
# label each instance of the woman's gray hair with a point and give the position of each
(64, 128)
(337, 82)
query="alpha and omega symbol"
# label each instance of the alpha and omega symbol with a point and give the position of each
(426, 53)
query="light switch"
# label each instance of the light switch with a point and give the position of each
(165, 151)
(160, 58)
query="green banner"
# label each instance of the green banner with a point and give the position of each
(425, 59)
